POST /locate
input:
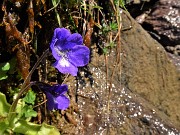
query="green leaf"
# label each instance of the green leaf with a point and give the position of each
(112, 44)
(98, 7)
(105, 50)
(122, 4)
(48, 130)
(4, 67)
(28, 111)
(30, 97)
(19, 108)
(3, 75)
(113, 26)
(4, 110)
(55, 4)
(4, 105)
(28, 128)
(31, 113)
(25, 110)
(3, 127)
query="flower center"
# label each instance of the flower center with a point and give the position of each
(64, 62)
(63, 54)
(64, 58)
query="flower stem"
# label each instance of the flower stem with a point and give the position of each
(26, 85)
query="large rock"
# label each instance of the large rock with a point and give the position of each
(148, 71)
(137, 95)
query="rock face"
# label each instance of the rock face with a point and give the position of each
(133, 92)
(165, 21)
(148, 71)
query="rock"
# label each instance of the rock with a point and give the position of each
(148, 71)
(136, 94)
(176, 60)
(174, 50)
(165, 21)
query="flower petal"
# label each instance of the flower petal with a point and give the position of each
(79, 55)
(62, 102)
(62, 33)
(64, 66)
(69, 42)
(45, 87)
(54, 45)
(55, 53)
(50, 101)
(59, 38)
(54, 38)
(74, 39)
(60, 89)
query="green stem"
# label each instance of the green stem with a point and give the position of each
(26, 85)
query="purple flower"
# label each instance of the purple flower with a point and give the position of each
(55, 96)
(69, 51)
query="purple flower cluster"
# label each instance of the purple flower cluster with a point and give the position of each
(70, 53)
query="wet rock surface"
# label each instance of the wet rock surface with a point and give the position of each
(132, 92)
(164, 20)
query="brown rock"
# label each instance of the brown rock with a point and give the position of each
(148, 71)
(134, 96)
